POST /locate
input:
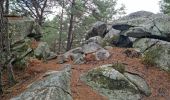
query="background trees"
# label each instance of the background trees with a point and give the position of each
(4, 42)
(77, 17)
(68, 28)
(37, 9)
(1, 37)
(165, 6)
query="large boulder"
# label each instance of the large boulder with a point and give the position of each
(139, 82)
(102, 54)
(95, 39)
(22, 27)
(20, 44)
(43, 51)
(123, 41)
(114, 37)
(98, 29)
(55, 85)
(144, 24)
(61, 59)
(114, 84)
(79, 59)
(144, 43)
(19, 29)
(138, 14)
(91, 47)
(76, 54)
(111, 34)
(137, 32)
(21, 51)
(77, 50)
(111, 37)
(159, 55)
(141, 24)
(155, 52)
(80, 55)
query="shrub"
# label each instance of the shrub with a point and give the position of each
(109, 41)
(150, 56)
(119, 67)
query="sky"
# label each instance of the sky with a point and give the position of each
(137, 5)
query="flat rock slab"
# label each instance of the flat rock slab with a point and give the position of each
(55, 85)
(139, 82)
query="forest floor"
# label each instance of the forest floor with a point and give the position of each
(158, 80)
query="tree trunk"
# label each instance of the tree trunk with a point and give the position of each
(7, 7)
(70, 32)
(7, 46)
(1, 41)
(1, 91)
(61, 28)
(7, 38)
(4, 42)
(40, 20)
(11, 73)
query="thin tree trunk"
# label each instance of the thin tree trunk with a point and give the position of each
(61, 27)
(1, 91)
(7, 38)
(8, 48)
(10, 72)
(7, 7)
(40, 20)
(1, 42)
(70, 32)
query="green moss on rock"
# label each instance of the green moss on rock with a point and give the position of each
(151, 55)
(97, 76)
(119, 67)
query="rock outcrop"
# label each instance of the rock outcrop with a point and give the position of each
(102, 54)
(20, 44)
(92, 47)
(98, 29)
(143, 30)
(155, 52)
(144, 24)
(95, 39)
(146, 31)
(43, 51)
(55, 85)
(76, 54)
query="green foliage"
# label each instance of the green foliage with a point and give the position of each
(84, 17)
(169, 52)
(109, 41)
(165, 6)
(150, 56)
(51, 32)
(119, 67)
(106, 9)
(114, 38)
(21, 65)
(104, 43)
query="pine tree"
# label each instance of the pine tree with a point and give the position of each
(165, 6)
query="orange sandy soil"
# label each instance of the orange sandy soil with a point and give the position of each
(158, 80)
